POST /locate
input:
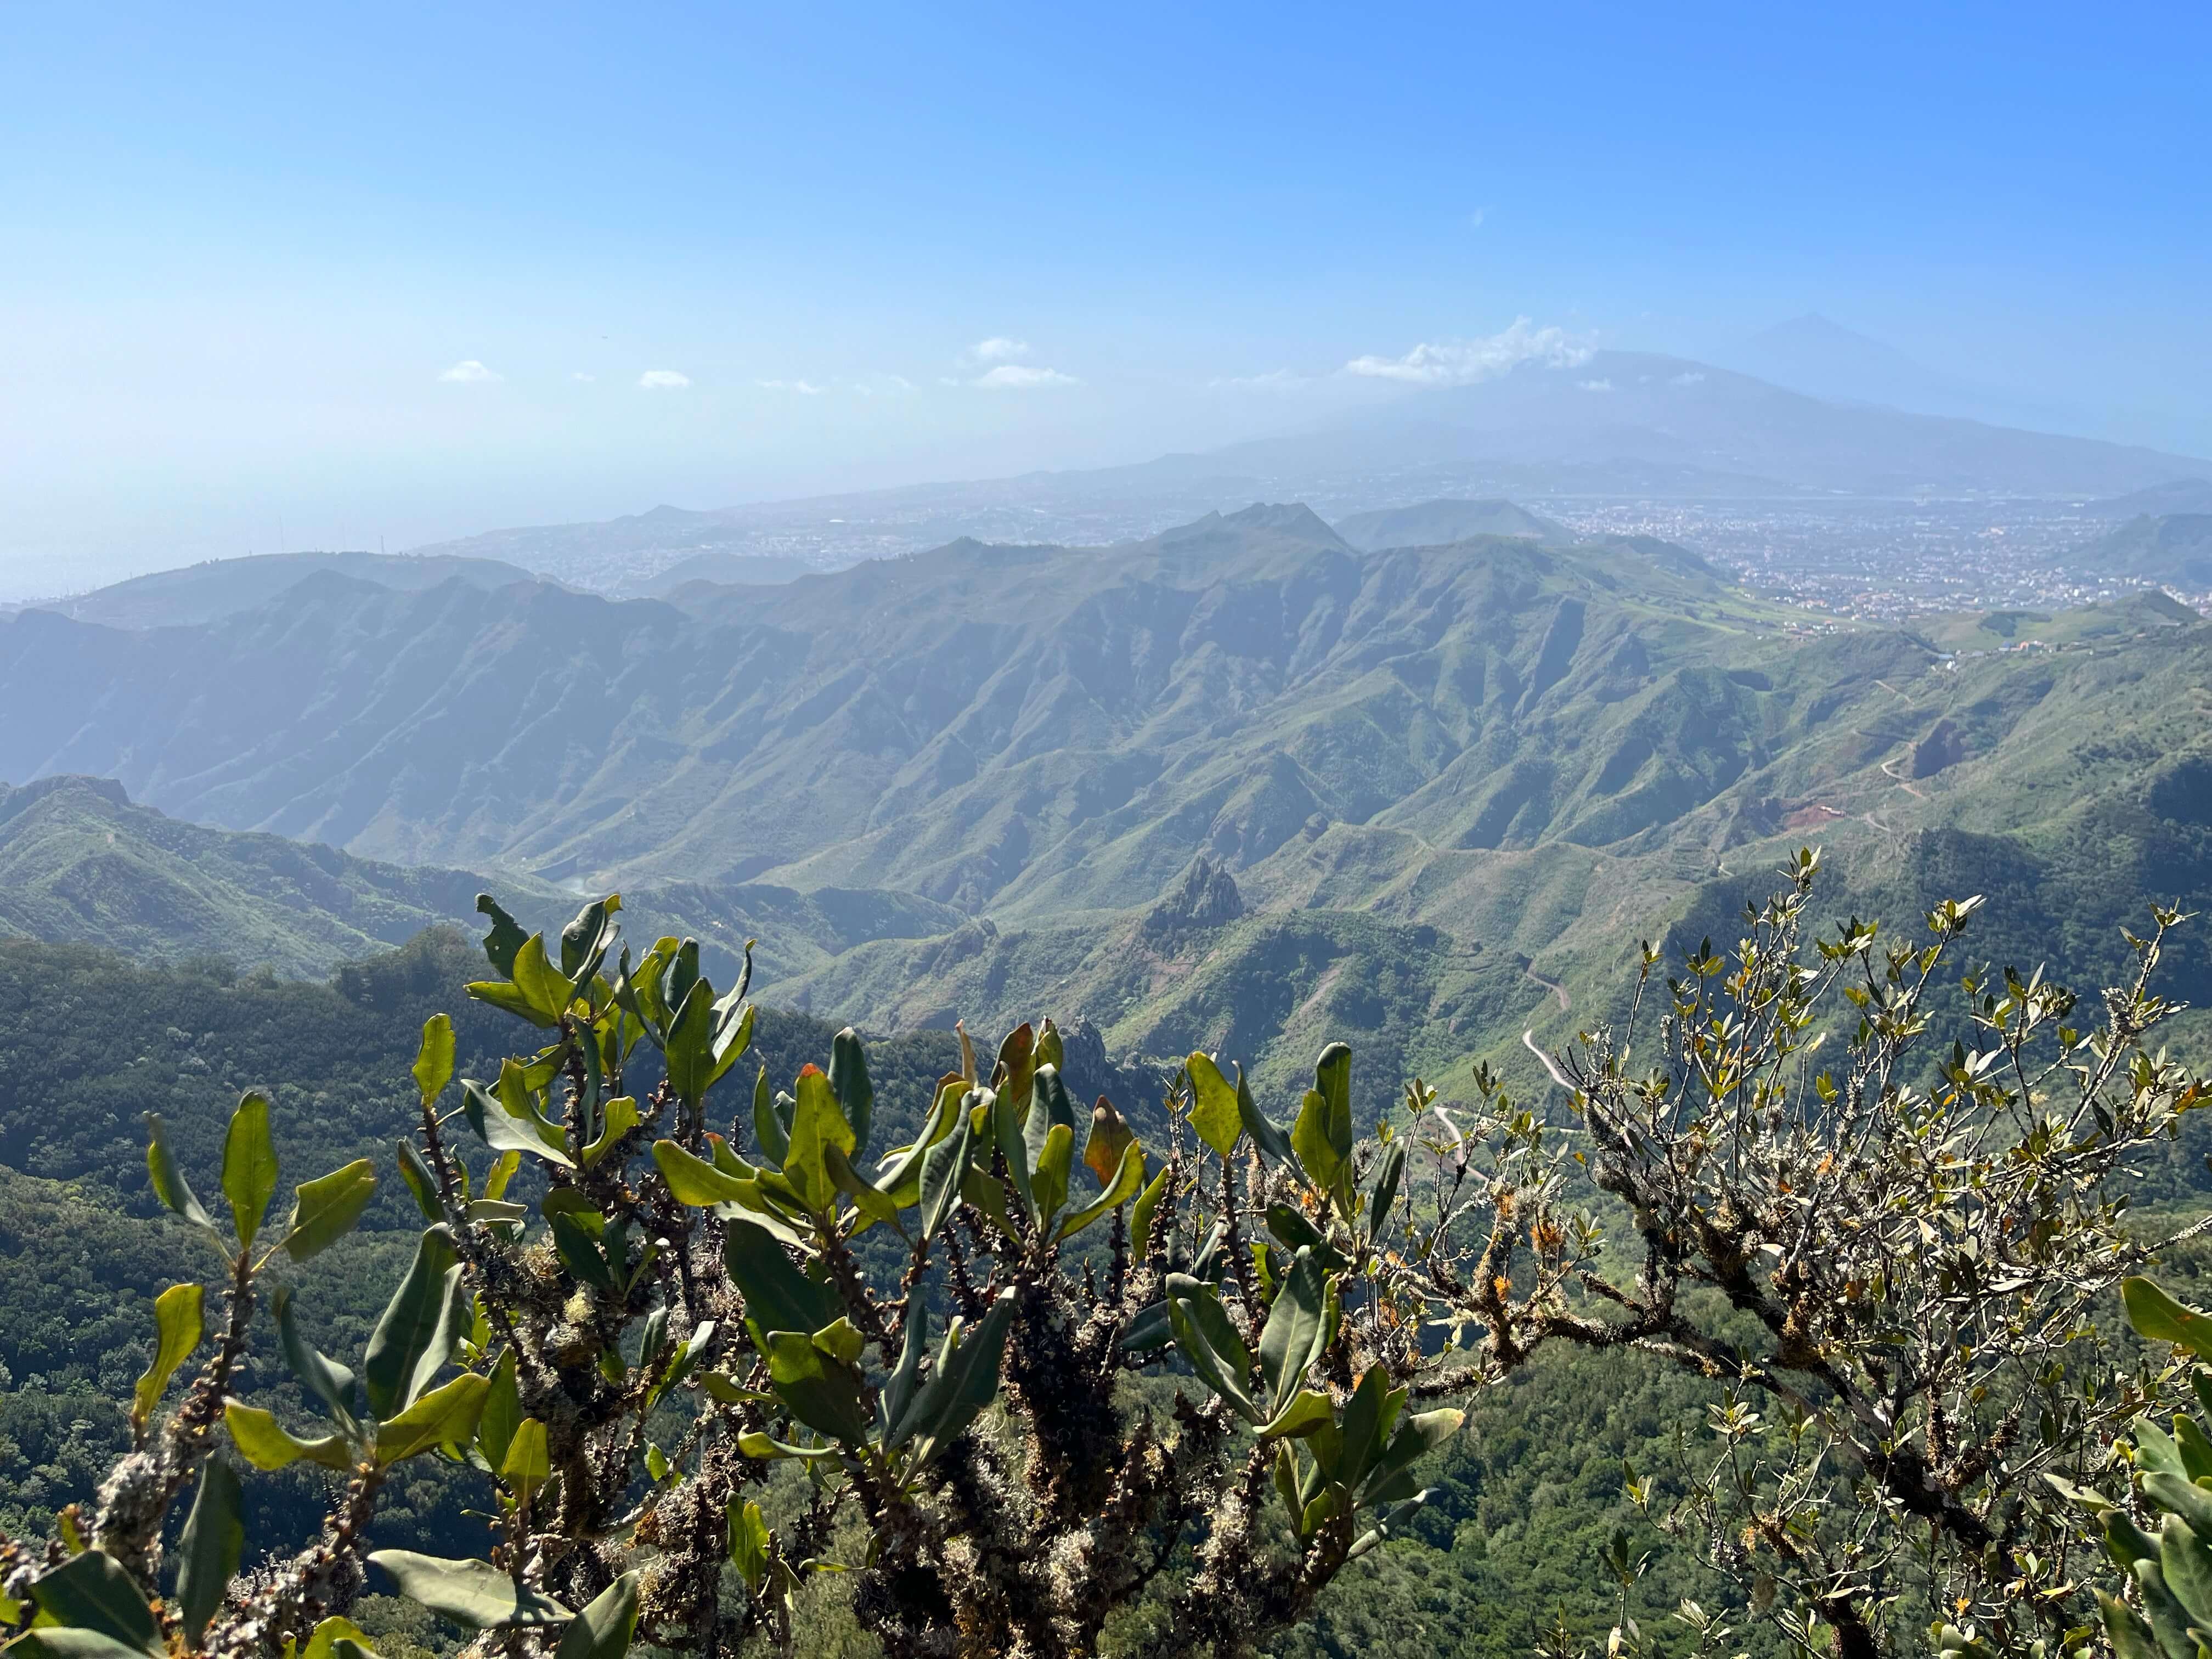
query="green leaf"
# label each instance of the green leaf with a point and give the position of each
(323, 1378)
(620, 1116)
(1128, 1179)
(900, 1173)
(1214, 1111)
(1141, 1219)
(434, 1060)
(249, 1166)
(60, 1641)
(92, 1591)
(502, 1410)
(1368, 1417)
(587, 939)
(446, 1416)
(819, 1390)
(505, 938)
(771, 1128)
(170, 1183)
(1311, 1140)
(944, 1167)
(685, 1359)
(325, 1210)
(549, 989)
(580, 1252)
(963, 1382)
(2160, 1317)
(419, 1328)
(1050, 1179)
(849, 1081)
(474, 1595)
(691, 1055)
(1269, 1136)
(338, 1637)
(209, 1549)
(1307, 1410)
(1210, 1342)
(267, 1444)
(527, 1464)
(766, 1450)
(749, 1543)
(1385, 1191)
(2186, 1566)
(502, 1131)
(420, 1182)
(2130, 1637)
(179, 1324)
(817, 1124)
(778, 1297)
(695, 1182)
(1416, 1437)
(1296, 1331)
(1016, 1073)
(603, 1629)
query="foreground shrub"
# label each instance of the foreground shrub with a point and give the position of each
(1024, 1373)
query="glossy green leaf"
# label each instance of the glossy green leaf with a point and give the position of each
(419, 1328)
(749, 1543)
(819, 1390)
(325, 1210)
(1271, 1139)
(964, 1381)
(849, 1082)
(421, 1185)
(1049, 1179)
(170, 1183)
(434, 1059)
(1313, 1141)
(1292, 1339)
(324, 1378)
(1384, 1193)
(1214, 1111)
(899, 1175)
(777, 1296)
(502, 1410)
(587, 939)
(92, 1591)
(179, 1325)
(1416, 1437)
(474, 1595)
(603, 1629)
(336, 1638)
(1210, 1342)
(249, 1166)
(1307, 1410)
(1128, 1181)
(617, 1118)
(2160, 1317)
(1141, 1219)
(768, 1450)
(914, 1346)
(444, 1416)
(505, 938)
(2130, 1637)
(686, 1359)
(527, 1464)
(817, 1124)
(209, 1549)
(267, 1444)
(771, 1128)
(502, 1131)
(695, 1182)
(580, 1254)
(1368, 1416)
(1017, 1070)
(944, 1167)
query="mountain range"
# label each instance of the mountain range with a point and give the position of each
(1239, 784)
(1606, 424)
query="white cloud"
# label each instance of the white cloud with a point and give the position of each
(469, 372)
(1277, 380)
(998, 350)
(1594, 386)
(1019, 377)
(586, 378)
(1474, 219)
(804, 388)
(1464, 362)
(663, 379)
(884, 386)
(1688, 377)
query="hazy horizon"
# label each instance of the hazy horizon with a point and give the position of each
(284, 282)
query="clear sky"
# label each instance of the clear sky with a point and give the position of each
(337, 273)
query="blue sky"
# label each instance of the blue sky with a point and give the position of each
(245, 256)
